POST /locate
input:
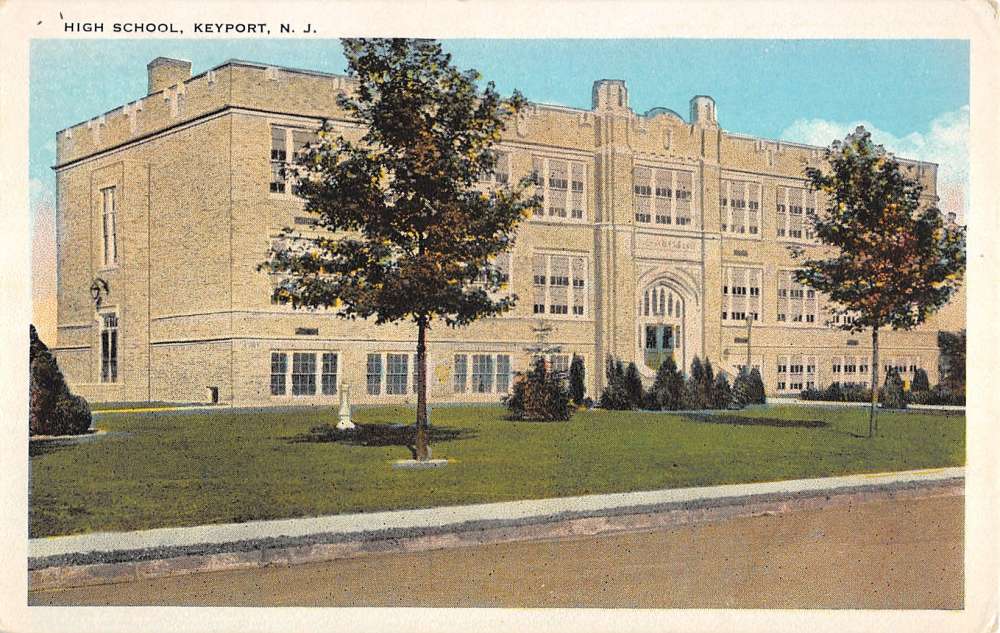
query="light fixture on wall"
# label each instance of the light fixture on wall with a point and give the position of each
(98, 290)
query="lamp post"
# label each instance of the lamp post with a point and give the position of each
(749, 329)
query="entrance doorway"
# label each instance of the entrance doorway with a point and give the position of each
(661, 326)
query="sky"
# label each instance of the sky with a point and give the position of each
(913, 95)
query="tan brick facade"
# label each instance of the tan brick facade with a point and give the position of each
(634, 255)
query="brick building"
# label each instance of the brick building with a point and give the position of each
(659, 235)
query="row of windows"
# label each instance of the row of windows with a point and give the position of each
(490, 373)
(284, 143)
(304, 373)
(664, 195)
(562, 186)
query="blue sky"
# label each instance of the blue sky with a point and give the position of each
(913, 94)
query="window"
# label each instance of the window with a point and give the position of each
(461, 373)
(796, 302)
(374, 374)
(663, 194)
(109, 226)
(329, 377)
(559, 364)
(501, 171)
(279, 367)
(396, 373)
(482, 373)
(559, 281)
(503, 373)
(562, 187)
(741, 293)
(285, 142)
(109, 347)
(303, 374)
(740, 207)
(794, 207)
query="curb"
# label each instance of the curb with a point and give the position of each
(95, 568)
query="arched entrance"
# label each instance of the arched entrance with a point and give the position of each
(662, 332)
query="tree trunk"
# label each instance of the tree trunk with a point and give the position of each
(872, 418)
(422, 441)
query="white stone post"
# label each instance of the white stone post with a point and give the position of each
(344, 422)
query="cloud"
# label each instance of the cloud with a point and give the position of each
(945, 142)
(43, 259)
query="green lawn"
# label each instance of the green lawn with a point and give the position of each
(175, 469)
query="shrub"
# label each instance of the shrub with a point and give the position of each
(722, 394)
(577, 377)
(952, 346)
(891, 395)
(615, 395)
(539, 396)
(633, 386)
(757, 394)
(53, 409)
(742, 390)
(836, 392)
(939, 395)
(667, 392)
(920, 381)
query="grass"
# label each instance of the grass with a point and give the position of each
(190, 468)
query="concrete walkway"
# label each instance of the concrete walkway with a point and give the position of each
(59, 548)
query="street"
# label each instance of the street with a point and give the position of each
(889, 554)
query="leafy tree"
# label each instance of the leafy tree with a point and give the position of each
(576, 379)
(706, 387)
(920, 381)
(891, 395)
(890, 260)
(667, 392)
(633, 386)
(952, 346)
(407, 232)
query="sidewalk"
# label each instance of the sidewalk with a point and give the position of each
(388, 529)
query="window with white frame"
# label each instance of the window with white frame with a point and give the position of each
(109, 227)
(109, 347)
(562, 185)
(482, 373)
(794, 206)
(303, 374)
(560, 285)
(741, 293)
(850, 370)
(285, 142)
(739, 204)
(797, 303)
(396, 373)
(329, 375)
(663, 196)
(279, 373)
(559, 364)
(373, 374)
(461, 377)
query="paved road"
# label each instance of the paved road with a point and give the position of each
(885, 554)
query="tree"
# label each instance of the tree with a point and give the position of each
(406, 232)
(891, 395)
(52, 408)
(539, 396)
(615, 395)
(890, 259)
(576, 380)
(667, 392)
(920, 381)
(633, 386)
(692, 386)
(757, 393)
(722, 393)
(742, 392)
(952, 346)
